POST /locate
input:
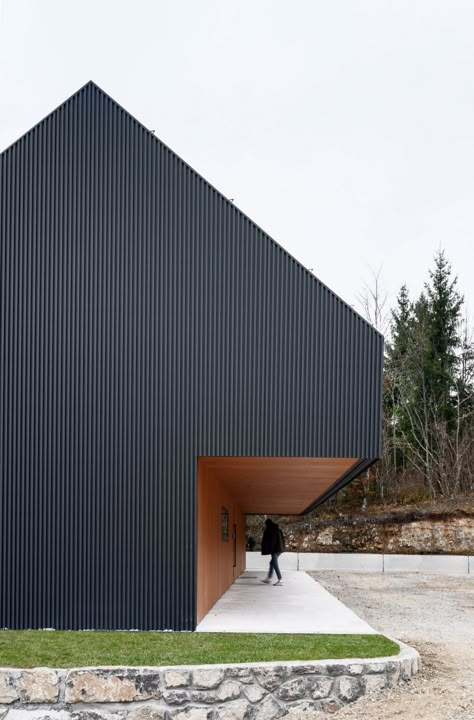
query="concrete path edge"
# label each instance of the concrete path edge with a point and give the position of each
(367, 562)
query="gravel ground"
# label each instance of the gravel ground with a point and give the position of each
(435, 614)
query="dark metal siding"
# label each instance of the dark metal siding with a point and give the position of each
(145, 321)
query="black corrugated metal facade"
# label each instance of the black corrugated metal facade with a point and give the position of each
(145, 321)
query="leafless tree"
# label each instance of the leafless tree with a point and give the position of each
(373, 300)
(443, 456)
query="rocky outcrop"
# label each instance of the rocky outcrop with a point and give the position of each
(390, 534)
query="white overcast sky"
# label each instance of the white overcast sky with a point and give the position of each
(344, 128)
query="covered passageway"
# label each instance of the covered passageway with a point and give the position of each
(229, 488)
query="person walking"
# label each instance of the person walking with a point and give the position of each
(273, 543)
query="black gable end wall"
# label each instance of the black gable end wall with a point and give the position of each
(145, 321)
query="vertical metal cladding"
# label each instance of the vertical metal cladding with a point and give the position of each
(145, 321)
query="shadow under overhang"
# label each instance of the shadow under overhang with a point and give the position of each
(282, 485)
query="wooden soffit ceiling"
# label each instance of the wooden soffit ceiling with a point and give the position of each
(275, 485)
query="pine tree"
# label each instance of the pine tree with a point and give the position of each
(429, 390)
(432, 368)
(423, 373)
(400, 327)
(397, 376)
(443, 359)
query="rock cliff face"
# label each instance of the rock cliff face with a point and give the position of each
(439, 534)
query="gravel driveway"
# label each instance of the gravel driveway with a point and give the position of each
(435, 614)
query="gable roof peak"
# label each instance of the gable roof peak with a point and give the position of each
(86, 86)
(91, 85)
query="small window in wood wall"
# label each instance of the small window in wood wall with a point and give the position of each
(224, 524)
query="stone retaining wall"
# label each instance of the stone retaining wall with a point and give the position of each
(257, 691)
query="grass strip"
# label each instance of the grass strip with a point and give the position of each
(61, 649)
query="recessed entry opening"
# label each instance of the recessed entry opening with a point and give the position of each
(231, 487)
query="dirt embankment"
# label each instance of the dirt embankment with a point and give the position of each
(444, 527)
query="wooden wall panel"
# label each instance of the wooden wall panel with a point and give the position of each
(216, 571)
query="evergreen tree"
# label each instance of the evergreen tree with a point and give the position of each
(397, 376)
(423, 375)
(429, 391)
(444, 341)
(400, 327)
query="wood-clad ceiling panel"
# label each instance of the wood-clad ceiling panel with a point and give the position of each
(276, 485)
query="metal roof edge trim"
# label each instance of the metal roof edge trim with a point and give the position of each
(350, 475)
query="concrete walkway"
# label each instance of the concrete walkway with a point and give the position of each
(300, 605)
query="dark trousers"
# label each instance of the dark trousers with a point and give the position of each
(274, 566)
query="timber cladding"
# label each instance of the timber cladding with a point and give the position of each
(276, 485)
(146, 322)
(221, 557)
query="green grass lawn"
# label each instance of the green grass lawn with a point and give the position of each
(33, 648)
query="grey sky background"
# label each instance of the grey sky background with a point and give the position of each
(344, 128)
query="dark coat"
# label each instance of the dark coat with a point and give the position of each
(272, 540)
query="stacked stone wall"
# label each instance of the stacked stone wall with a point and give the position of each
(261, 691)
